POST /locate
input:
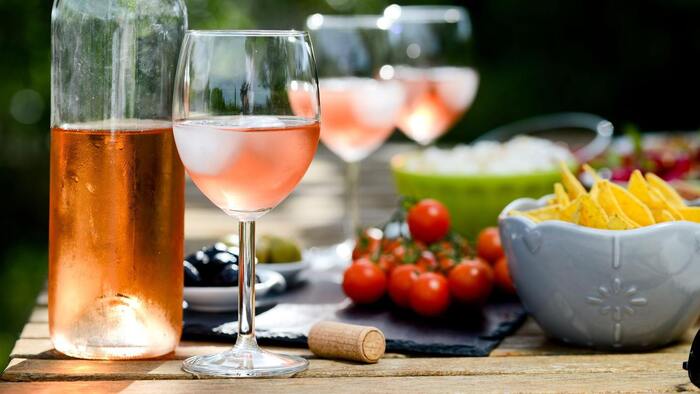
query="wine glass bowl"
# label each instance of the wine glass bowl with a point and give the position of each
(246, 147)
(361, 101)
(237, 161)
(430, 53)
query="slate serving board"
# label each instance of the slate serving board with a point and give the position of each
(285, 319)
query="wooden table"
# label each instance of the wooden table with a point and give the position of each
(526, 361)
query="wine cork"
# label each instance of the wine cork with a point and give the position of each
(346, 341)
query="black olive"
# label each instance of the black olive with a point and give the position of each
(213, 250)
(192, 277)
(225, 258)
(211, 260)
(213, 265)
(198, 257)
(228, 276)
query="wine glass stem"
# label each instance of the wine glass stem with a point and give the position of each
(352, 210)
(246, 281)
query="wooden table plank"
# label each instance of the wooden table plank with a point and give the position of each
(530, 340)
(540, 345)
(527, 341)
(641, 382)
(510, 347)
(40, 314)
(34, 348)
(42, 348)
(63, 370)
(35, 330)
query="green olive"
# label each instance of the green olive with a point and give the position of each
(271, 249)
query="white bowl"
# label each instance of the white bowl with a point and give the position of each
(625, 290)
(290, 271)
(225, 299)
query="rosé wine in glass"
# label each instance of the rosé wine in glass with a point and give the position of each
(436, 98)
(236, 161)
(358, 114)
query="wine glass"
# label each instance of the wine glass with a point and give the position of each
(430, 48)
(246, 150)
(360, 100)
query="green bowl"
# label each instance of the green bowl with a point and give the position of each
(474, 201)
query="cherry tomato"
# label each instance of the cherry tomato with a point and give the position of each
(387, 263)
(444, 249)
(426, 261)
(446, 263)
(430, 294)
(463, 245)
(364, 282)
(502, 276)
(428, 221)
(412, 253)
(367, 243)
(389, 244)
(420, 245)
(471, 281)
(399, 253)
(488, 244)
(400, 283)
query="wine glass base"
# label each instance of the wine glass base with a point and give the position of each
(245, 362)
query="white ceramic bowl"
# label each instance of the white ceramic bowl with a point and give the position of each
(626, 290)
(290, 271)
(224, 299)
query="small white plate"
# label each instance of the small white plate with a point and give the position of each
(290, 271)
(225, 299)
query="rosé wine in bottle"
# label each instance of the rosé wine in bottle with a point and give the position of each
(436, 98)
(116, 210)
(115, 280)
(246, 163)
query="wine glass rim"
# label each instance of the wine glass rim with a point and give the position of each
(248, 33)
(320, 21)
(431, 7)
(426, 13)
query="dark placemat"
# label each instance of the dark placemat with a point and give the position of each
(285, 320)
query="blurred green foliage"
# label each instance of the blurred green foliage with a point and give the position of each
(630, 61)
(24, 119)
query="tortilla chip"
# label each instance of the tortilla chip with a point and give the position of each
(691, 214)
(592, 172)
(547, 213)
(571, 212)
(592, 214)
(595, 191)
(607, 200)
(665, 216)
(617, 222)
(560, 196)
(652, 198)
(632, 206)
(573, 187)
(667, 191)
